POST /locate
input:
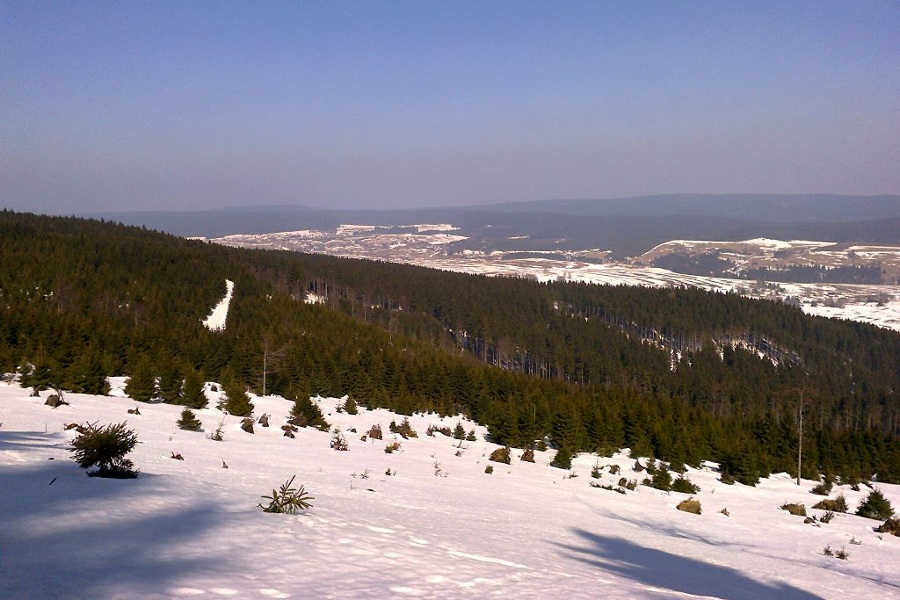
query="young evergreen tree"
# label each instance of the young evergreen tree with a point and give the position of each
(141, 384)
(563, 458)
(105, 448)
(305, 413)
(235, 400)
(171, 383)
(189, 421)
(875, 506)
(192, 394)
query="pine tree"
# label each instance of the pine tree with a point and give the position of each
(305, 413)
(875, 506)
(170, 383)
(141, 385)
(563, 459)
(189, 421)
(105, 448)
(192, 394)
(236, 401)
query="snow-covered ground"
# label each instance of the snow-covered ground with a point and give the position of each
(219, 315)
(437, 527)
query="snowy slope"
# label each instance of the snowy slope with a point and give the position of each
(191, 528)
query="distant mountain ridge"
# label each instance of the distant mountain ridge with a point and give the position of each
(626, 226)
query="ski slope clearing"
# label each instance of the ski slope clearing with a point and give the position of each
(219, 315)
(437, 527)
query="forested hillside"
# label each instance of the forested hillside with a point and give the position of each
(680, 374)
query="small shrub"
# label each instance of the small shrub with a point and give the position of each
(690, 506)
(432, 429)
(662, 479)
(822, 489)
(798, 510)
(614, 469)
(528, 455)
(725, 512)
(470, 437)
(247, 424)
(563, 459)
(489, 469)
(891, 526)
(392, 447)
(458, 432)
(350, 406)
(838, 504)
(105, 448)
(726, 478)
(217, 435)
(500, 455)
(638, 467)
(287, 499)
(375, 432)
(827, 517)
(628, 484)
(595, 471)
(189, 421)
(404, 429)
(55, 400)
(855, 542)
(338, 441)
(875, 506)
(827, 551)
(306, 413)
(684, 485)
(842, 554)
(263, 420)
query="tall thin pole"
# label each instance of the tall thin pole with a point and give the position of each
(800, 445)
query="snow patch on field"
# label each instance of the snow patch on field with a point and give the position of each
(190, 528)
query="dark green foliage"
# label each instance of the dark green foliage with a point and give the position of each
(306, 413)
(821, 489)
(459, 433)
(287, 499)
(563, 458)
(684, 485)
(875, 506)
(589, 366)
(192, 394)
(661, 478)
(189, 421)
(171, 383)
(404, 429)
(500, 455)
(141, 384)
(105, 448)
(350, 406)
(235, 400)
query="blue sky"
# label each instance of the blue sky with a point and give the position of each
(192, 105)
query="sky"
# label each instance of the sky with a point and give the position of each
(365, 104)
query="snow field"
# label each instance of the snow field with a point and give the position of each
(192, 528)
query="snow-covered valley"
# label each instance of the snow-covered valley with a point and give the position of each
(437, 526)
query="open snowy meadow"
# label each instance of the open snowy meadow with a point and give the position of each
(423, 521)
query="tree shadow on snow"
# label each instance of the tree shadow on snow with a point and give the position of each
(659, 569)
(58, 541)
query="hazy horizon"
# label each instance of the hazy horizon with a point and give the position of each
(377, 105)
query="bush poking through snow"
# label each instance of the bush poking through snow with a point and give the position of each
(684, 485)
(189, 421)
(247, 424)
(350, 406)
(528, 455)
(875, 506)
(690, 505)
(105, 448)
(500, 455)
(822, 489)
(798, 510)
(489, 469)
(338, 441)
(838, 504)
(891, 526)
(287, 499)
(392, 447)
(217, 435)
(404, 429)
(305, 413)
(375, 432)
